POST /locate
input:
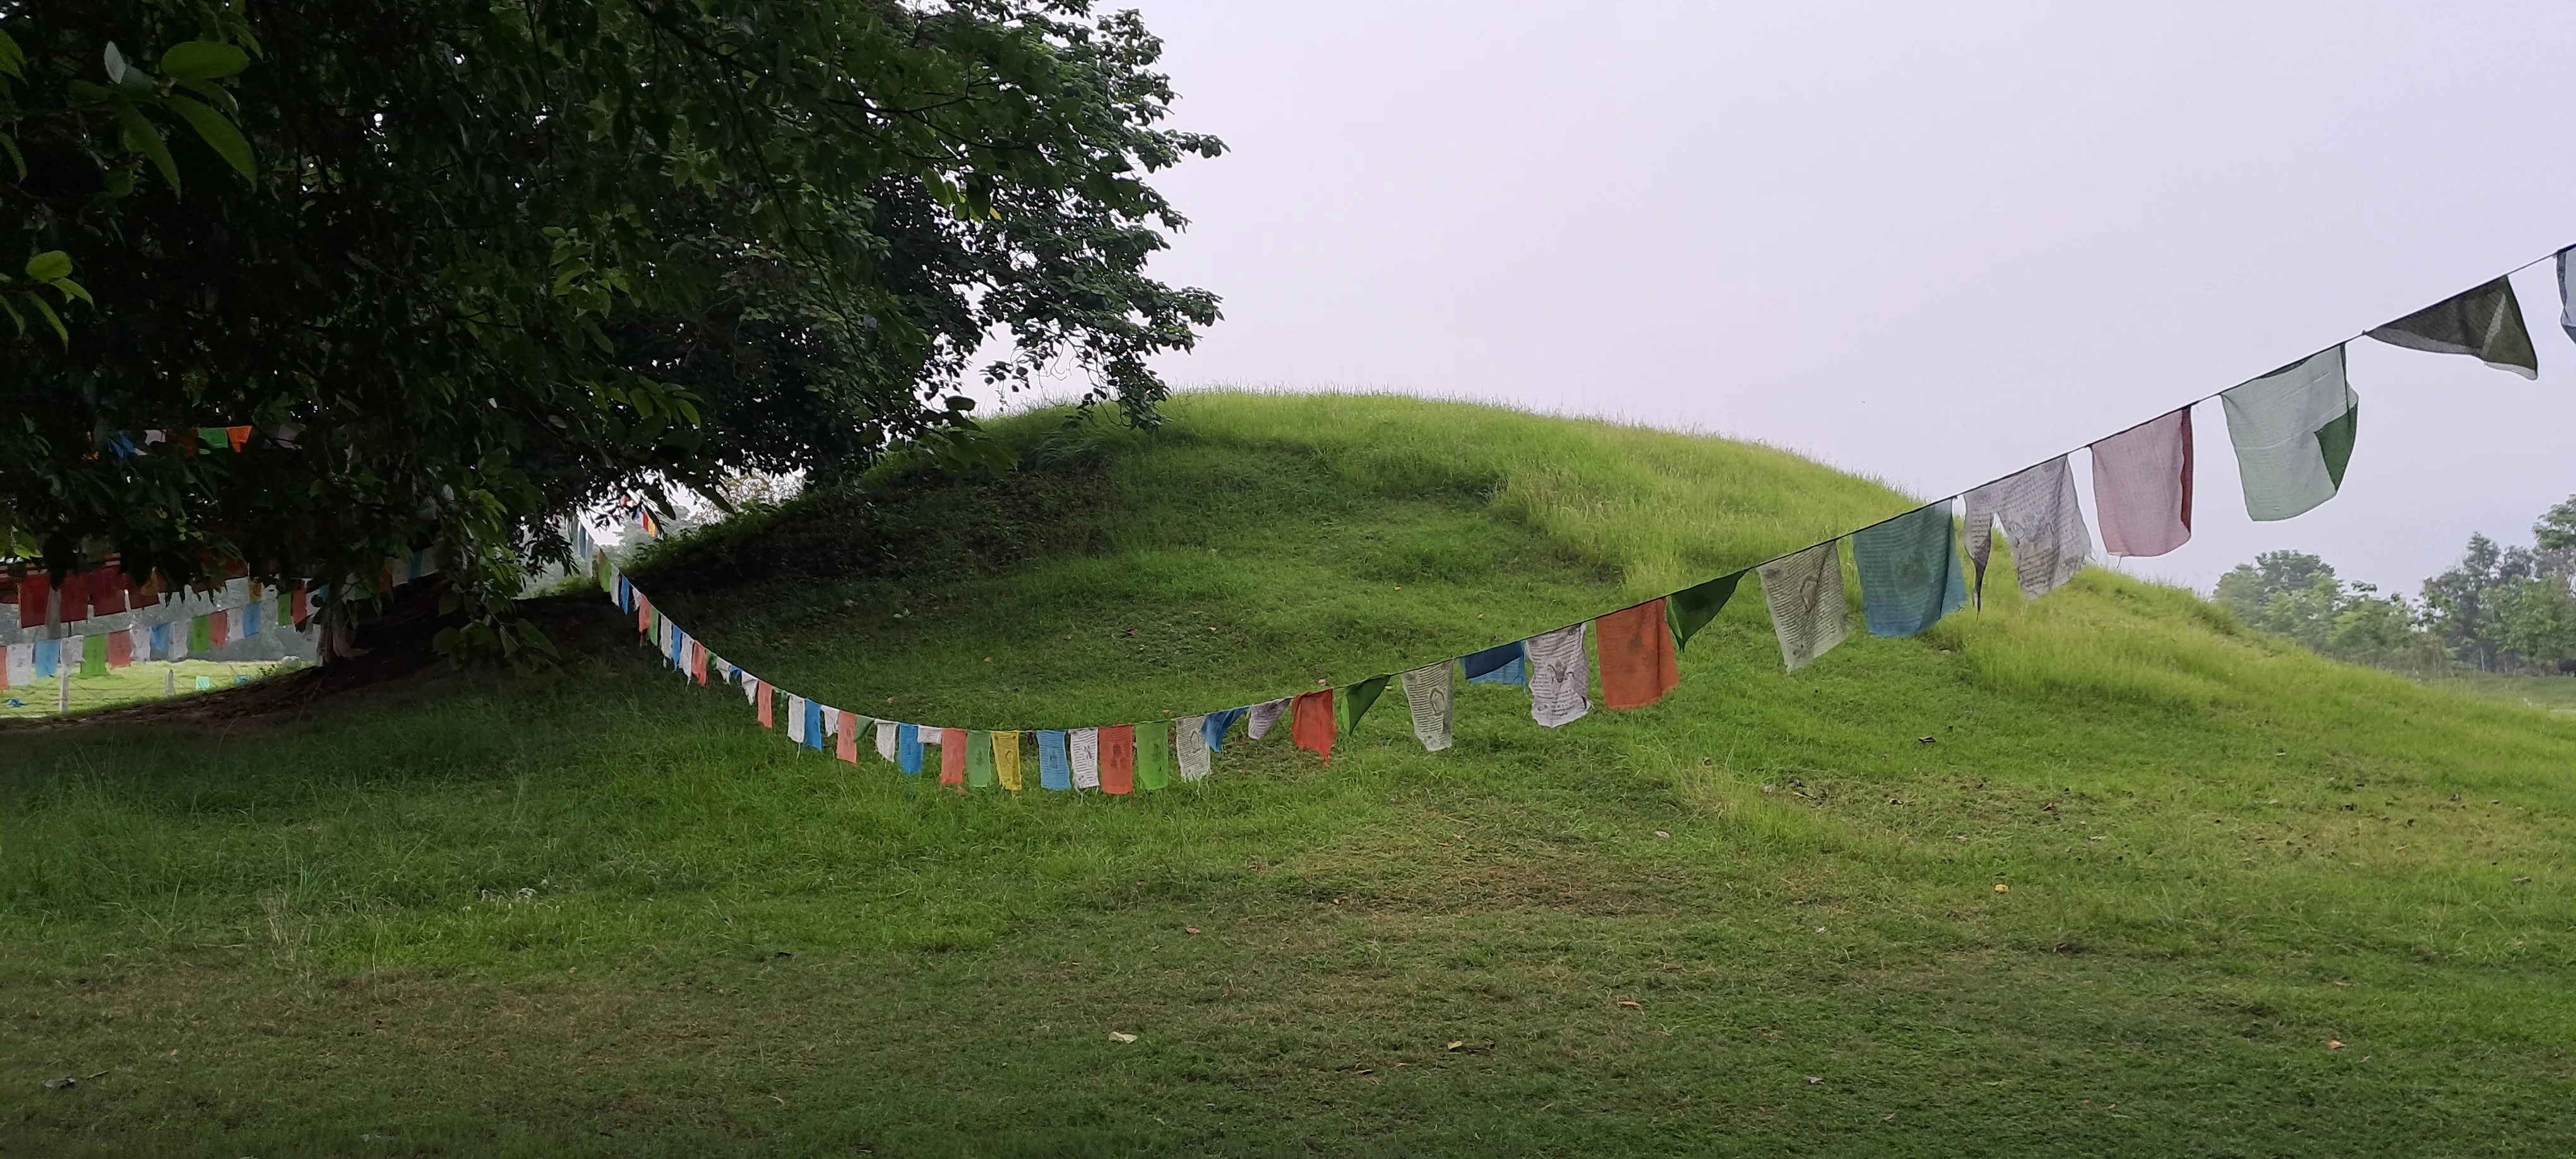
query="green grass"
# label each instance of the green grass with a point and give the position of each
(129, 685)
(599, 912)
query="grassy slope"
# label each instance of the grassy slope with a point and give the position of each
(599, 912)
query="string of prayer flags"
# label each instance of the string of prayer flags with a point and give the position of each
(2293, 430)
(1118, 759)
(1500, 664)
(2484, 323)
(1431, 694)
(1085, 755)
(1190, 748)
(2042, 517)
(980, 773)
(1808, 609)
(1560, 677)
(1909, 571)
(1217, 723)
(1312, 727)
(1265, 716)
(1690, 609)
(1153, 755)
(1638, 663)
(952, 758)
(2142, 486)
(1055, 767)
(1006, 759)
(1359, 698)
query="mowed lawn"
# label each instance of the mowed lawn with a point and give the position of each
(2253, 903)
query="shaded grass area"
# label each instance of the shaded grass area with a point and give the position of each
(600, 912)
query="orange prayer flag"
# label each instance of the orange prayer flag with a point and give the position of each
(221, 624)
(698, 660)
(849, 730)
(1314, 725)
(120, 648)
(1118, 758)
(952, 757)
(1637, 662)
(239, 437)
(760, 696)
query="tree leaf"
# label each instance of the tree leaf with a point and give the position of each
(51, 319)
(203, 60)
(217, 132)
(71, 289)
(12, 60)
(115, 64)
(49, 265)
(9, 145)
(144, 137)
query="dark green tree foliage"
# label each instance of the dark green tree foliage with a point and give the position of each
(2459, 606)
(2298, 596)
(495, 259)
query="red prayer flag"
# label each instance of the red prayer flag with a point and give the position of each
(106, 592)
(760, 696)
(120, 648)
(698, 660)
(237, 436)
(35, 595)
(303, 606)
(952, 757)
(1637, 662)
(221, 625)
(1312, 727)
(643, 615)
(1118, 758)
(849, 725)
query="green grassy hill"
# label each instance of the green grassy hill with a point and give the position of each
(600, 912)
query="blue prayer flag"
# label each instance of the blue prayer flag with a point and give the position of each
(1216, 724)
(1055, 763)
(907, 748)
(814, 723)
(1909, 571)
(1501, 664)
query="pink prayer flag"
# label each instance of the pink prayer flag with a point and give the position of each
(2142, 486)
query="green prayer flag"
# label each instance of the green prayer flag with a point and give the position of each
(2335, 439)
(1154, 755)
(214, 439)
(93, 656)
(979, 760)
(201, 633)
(1357, 698)
(1690, 609)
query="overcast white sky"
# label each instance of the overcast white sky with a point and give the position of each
(1930, 243)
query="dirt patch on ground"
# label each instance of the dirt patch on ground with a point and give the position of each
(395, 652)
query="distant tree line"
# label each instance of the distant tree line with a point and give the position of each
(2500, 609)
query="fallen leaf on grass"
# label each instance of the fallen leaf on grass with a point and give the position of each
(1632, 1005)
(1190, 929)
(64, 1083)
(1121, 1036)
(1458, 1045)
(2334, 1044)
(1814, 1079)
(2002, 888)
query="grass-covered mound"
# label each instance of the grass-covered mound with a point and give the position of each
(602, 912)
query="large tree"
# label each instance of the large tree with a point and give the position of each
(471, 263)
